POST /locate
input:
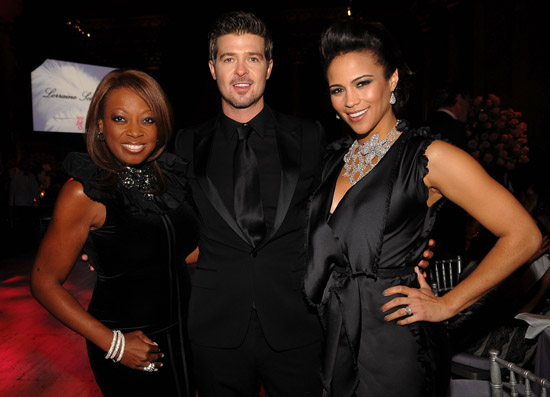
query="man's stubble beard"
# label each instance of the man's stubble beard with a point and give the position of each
(236, 105)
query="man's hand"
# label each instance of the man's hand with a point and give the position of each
(427, 255)
(544, 247)
(84, 258)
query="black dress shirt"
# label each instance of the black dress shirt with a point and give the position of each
(264, 143)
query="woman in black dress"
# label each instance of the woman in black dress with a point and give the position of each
(125, 206)
(370, 219)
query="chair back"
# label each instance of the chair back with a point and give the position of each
(528, 377)
(444, 275)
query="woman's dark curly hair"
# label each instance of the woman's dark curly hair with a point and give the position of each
(356, 35)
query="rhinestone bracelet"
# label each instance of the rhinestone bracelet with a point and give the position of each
(111, 353)
(121, 336)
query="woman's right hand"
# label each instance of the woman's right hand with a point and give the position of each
(414, 304)
(140, 351)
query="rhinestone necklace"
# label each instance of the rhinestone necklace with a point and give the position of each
(142, 179)
(359, 158)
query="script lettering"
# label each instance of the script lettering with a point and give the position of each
(87, 96)
(52, 93)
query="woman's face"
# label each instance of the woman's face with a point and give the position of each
(129, 126)
(360, 93)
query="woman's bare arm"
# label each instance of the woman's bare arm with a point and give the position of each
(456, 175)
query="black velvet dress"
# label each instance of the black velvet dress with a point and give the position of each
(372, 241)
(142, 280)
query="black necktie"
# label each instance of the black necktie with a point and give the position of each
(247, 199)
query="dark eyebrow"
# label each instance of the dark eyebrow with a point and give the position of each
(362, 77)
(353, 81)
(250, 53)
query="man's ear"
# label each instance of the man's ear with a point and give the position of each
(212, 69)
(269, 69)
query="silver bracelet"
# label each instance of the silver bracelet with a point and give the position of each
(115, 338)
(118, 341)
(121, 336)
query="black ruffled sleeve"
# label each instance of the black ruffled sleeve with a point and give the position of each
(81, 167)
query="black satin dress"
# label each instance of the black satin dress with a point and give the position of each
(372, 241)
(142, 280)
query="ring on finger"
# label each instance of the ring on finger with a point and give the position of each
(408, 310)
(150, 367)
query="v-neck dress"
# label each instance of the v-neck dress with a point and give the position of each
(373, 240)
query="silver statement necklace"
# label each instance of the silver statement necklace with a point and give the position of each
(359, 158)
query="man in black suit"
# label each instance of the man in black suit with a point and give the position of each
(249, 323)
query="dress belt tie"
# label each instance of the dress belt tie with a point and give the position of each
(382, 273)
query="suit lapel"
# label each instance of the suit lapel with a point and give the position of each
(289, 144)
(203, 146)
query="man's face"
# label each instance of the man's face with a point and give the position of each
(241, 72)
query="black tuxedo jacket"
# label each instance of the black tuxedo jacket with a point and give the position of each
(232, 276)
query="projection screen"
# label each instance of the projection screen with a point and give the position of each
(61, 94)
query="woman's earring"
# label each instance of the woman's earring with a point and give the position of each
(337, 116)
(100, 136)
(392, 99)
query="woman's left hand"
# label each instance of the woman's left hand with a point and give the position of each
(418, 304)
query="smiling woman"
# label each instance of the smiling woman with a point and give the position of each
(128, 126)
(146, 107)
(370, 219)
(126, 207)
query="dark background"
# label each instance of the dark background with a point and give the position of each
(496, 46)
